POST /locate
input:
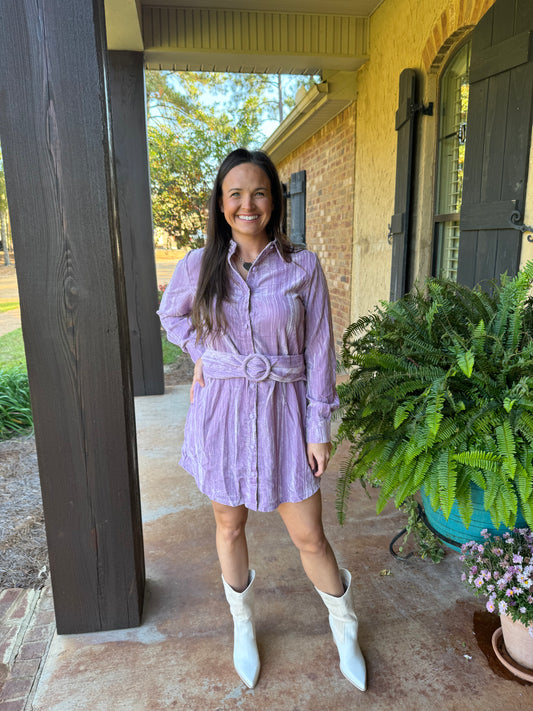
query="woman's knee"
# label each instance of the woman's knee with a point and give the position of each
(230, 522)
(310, 541)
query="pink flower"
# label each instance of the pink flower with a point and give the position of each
(490, 605)
(517, 558)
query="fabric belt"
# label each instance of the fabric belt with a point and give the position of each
(255, 366)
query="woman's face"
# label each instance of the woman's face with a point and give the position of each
(247, 202)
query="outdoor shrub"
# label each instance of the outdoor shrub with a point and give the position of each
(440, 397)
(15, 407)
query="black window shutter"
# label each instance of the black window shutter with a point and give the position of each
(497, 149)
(285, 195)
(399, 226)
(297, 196)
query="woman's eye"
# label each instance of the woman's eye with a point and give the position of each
(260, 193)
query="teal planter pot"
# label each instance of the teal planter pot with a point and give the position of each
(453, 532)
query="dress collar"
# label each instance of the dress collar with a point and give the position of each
(271, 245)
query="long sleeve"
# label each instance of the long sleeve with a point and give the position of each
(176, 305)
(319, 354)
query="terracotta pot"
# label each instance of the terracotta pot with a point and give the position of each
(518, 641)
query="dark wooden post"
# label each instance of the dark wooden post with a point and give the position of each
(58, 157)
(126, 84)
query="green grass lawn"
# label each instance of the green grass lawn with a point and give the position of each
(170, 351)
(12, 350)
(8, 305)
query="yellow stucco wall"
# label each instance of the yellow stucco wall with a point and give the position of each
(403, 33)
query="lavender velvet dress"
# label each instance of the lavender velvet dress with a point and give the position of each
(269, 380)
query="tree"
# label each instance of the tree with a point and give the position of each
(194, 120)
(3, 213)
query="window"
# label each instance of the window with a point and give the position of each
(454, 87)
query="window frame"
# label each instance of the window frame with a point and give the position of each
(438, 218)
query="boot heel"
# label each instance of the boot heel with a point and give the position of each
(344, 625)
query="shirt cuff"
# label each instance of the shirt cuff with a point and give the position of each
(318, 430)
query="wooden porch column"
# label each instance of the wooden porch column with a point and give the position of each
(126, 85)
(58, 156)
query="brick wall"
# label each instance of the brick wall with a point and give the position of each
(328, 157)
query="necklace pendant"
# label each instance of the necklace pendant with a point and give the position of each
(247, 265)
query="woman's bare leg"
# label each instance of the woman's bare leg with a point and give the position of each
(303, 521)
(231, 544)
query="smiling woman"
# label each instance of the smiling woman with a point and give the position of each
(253, 312)
(246, 204)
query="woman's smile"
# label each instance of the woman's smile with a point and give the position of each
(247, 203)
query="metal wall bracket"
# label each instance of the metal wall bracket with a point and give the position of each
(425, 110)
(515, 221)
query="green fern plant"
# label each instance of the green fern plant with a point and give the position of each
(440, 395)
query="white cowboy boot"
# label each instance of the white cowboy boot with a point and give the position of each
(245, 654)
(343, 623)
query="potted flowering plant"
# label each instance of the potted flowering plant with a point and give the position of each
(501, 569)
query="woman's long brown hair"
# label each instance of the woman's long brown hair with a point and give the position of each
(213, 281)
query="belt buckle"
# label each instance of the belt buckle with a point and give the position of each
(265, 362)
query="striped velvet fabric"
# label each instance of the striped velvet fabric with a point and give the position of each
(246, 434)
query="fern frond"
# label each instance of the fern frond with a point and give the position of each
(343, 488)
(463, 495)
(524, 481)
(480, 459)
(527, 511)
(465, 361)
(506, 446)
(434, 413)
(447, 473)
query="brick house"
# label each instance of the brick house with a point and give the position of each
(407, 88)
(358, 167)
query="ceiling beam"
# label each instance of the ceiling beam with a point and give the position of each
(123, 25)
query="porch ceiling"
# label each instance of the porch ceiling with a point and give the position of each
(291, 36)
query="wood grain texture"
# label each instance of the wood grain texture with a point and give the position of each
(126, 84)
(497, 150)
(61, 187)
(405, 127)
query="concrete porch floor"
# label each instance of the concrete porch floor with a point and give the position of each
(416, 624)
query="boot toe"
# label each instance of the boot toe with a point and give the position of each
(354, 669)
(248, 670)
